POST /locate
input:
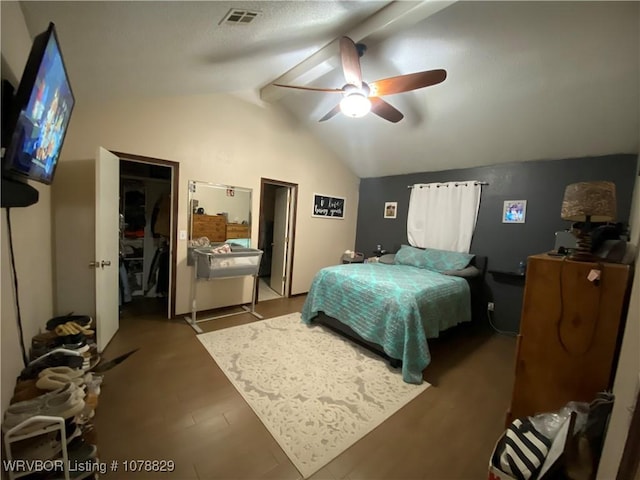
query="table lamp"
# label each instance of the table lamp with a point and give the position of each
(588, 202)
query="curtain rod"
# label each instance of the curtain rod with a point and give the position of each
(456, 184)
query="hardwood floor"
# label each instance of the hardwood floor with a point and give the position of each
(170, 401)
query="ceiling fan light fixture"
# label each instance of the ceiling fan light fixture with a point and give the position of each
(355, 105)
(359, 97)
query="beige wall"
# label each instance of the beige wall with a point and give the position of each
(627, 379)
(31, 233)
(218, 139)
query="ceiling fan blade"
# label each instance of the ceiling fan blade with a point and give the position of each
(332, 113)
(406, 83)
(350, 62)
(314, 89)
(385, 110)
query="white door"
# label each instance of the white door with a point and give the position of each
(280, 241)
(107, 246)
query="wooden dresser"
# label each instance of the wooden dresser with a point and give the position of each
(211, 226)
(569, 333)
(237, 230)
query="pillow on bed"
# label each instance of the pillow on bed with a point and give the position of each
(432, 259)
(467, 272)
(388, 258)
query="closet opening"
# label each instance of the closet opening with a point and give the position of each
(147, 235)
(276, 233)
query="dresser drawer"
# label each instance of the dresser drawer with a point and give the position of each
(237, 230)
(210, 226)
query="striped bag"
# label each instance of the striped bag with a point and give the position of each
(521, 450)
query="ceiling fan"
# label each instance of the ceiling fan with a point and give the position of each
(361, 97)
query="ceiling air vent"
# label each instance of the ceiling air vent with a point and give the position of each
(239, 17)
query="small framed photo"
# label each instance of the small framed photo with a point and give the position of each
(514, 211)
(390, 209)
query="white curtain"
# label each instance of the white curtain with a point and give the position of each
(443, 215)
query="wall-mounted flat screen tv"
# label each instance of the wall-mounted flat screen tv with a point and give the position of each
(41, 110)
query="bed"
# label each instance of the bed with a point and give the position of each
(394, 307)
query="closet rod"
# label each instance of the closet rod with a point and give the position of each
(456, 184)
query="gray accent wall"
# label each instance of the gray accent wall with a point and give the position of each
(541, 183)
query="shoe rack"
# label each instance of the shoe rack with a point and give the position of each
(61, 462)
(25, 444)
(33, 427)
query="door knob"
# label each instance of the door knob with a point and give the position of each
(105, 263)
(95, 264)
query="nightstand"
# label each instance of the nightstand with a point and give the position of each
(358, 258)
(508, 276)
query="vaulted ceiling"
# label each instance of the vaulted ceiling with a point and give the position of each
(526, 80)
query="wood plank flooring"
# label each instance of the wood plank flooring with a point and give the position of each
(170, 401)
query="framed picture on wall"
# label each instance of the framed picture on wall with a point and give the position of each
(390, 209)
(514, 211)
(328, 207)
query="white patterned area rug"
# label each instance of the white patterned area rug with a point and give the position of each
(316, 393)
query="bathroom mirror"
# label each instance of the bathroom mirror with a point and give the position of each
(221, 213)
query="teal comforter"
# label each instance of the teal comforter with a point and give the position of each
(395, 306)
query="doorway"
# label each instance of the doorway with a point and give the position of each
(276, 233)
(147, 234)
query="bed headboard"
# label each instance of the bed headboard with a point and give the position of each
(480, 262)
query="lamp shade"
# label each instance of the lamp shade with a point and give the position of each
(589, 201)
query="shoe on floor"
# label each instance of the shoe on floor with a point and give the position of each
(83, 320)
(23, 406)
(43, 339)
(54, 359)
(24, 384)
(75, 433)
(89, 433)
(66, 371)
(65, 402)
(54, 381)
(79, 450)
(72, 328)
(41, 447)
(80, 347)
(26, 390)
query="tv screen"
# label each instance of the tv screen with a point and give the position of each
(42, 108)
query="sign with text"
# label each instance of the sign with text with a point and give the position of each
(328, 207)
